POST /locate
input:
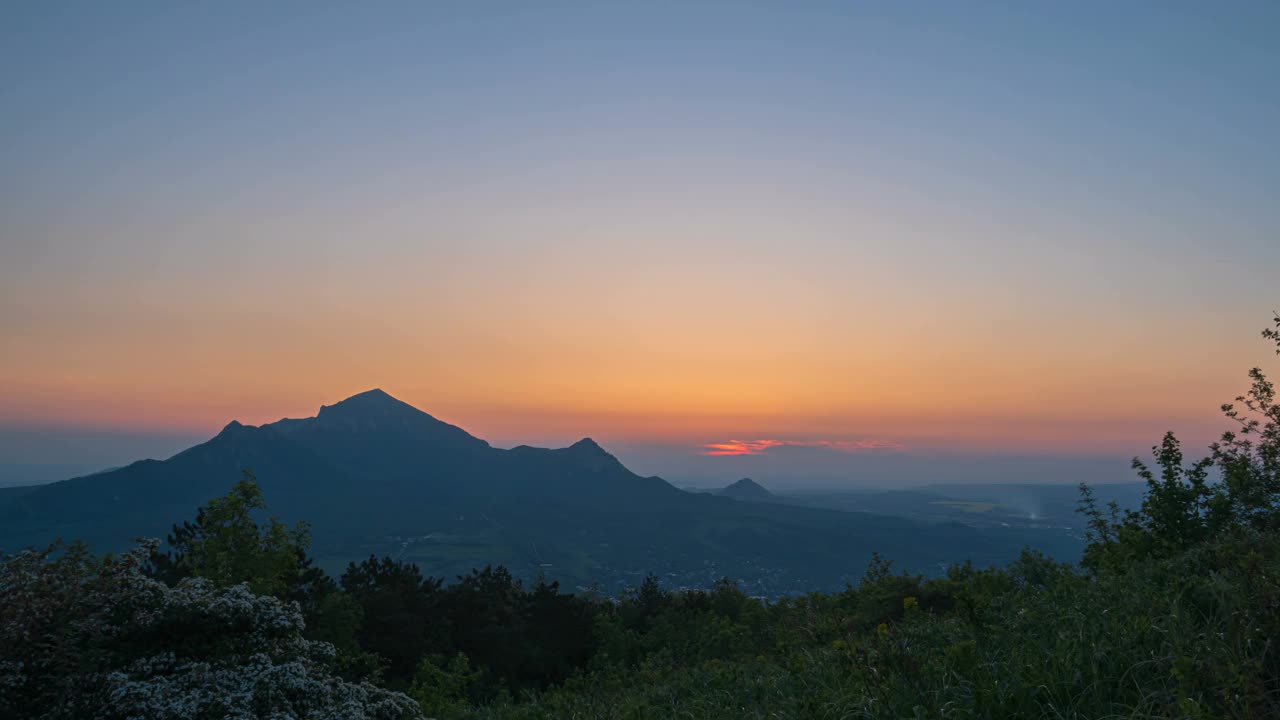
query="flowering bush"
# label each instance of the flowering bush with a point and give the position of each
(96, 637)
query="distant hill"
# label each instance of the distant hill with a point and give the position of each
(27, 474)
(748, 490)
(9, 494)
(374, 475)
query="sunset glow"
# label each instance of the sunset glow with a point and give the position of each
(758, 447)
(588, 238)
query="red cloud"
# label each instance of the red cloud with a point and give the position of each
(741, 447)
(759, 447)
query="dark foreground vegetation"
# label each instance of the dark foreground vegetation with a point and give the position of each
(1174, 611)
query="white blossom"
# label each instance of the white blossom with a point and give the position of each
(84, 638)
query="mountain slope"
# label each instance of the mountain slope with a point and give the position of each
(375, 475)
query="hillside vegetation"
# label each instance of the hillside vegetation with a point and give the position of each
(1174, 611)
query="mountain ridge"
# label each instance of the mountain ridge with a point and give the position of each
(372, 474)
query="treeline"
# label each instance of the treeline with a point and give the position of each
(1174, 611)
(484, 636)
(388, 622)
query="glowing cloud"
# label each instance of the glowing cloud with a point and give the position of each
(759, 447)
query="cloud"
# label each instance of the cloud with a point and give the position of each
(759, 447)
(740, 447)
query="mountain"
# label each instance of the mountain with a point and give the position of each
(748, 490)
(374, 475)
(9, 494)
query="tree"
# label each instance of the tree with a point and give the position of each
(651, 598)
(1178, 510)
(443, 687)
(97, 637)
(558, 636)
(226, 546)
(1183, 506)
(399, 606)
(1249, 456)
(487, 622)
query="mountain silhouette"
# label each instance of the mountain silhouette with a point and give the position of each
(748, 490)
(372, 474)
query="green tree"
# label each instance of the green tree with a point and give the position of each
(443, 687)
(1177, 511)
(1184, 506)
(402, 622)
(227, 546)
(1249, 456)
(651, 598)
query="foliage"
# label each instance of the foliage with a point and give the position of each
(227, 546)
(519, 638)
(1189, 636)
(445, 688)
(1183, 508)
(398, 606)
(96, 637)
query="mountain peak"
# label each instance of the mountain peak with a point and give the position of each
(374, 396)
(231, 427)
(587, 443)
(374, 401)
(746, 489)
(376, 412)
(589, 454)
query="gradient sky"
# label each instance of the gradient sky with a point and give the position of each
(1009, 228)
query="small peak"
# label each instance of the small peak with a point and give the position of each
(587, 444)
(587, 453)
(746, 488)
(234, 429)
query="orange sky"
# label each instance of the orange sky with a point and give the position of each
(735, 357)
(950, 228)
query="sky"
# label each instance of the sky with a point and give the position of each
(701, 233)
